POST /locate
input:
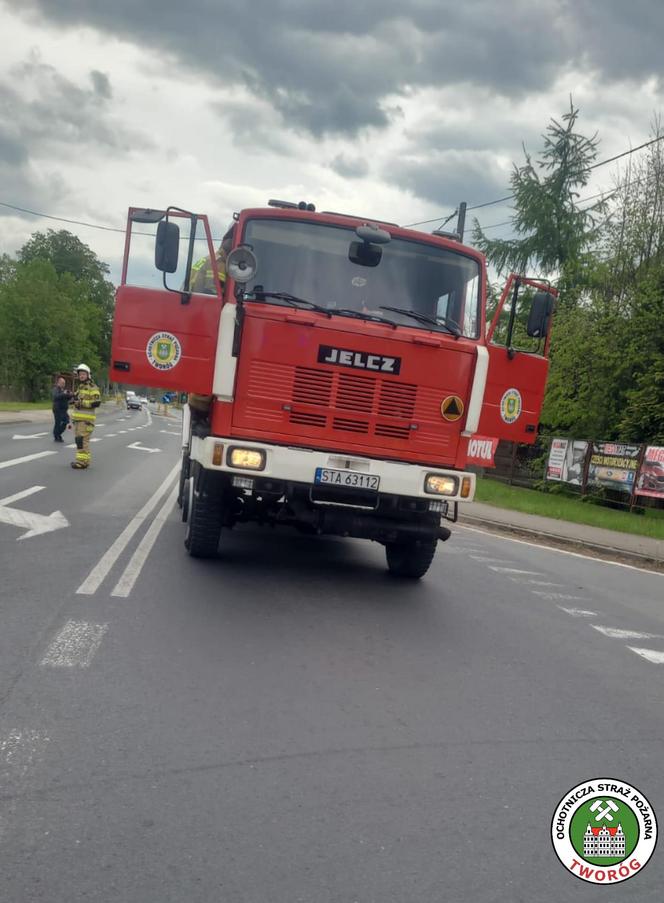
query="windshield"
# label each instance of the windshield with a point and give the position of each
(311, 261)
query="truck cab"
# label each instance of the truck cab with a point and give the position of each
(341, 371)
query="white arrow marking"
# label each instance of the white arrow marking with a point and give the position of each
(31, 436)
(650, 655)
(139, 447)
(616, 634)
(26, 458)
(578, 612)
(36, 524)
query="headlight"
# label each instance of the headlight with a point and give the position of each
(246, 458)
(437, 484)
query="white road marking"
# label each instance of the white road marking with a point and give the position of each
(26, 458)
(502, 570)
(534, 545)
(616, 634)
(32, 436)
(487, 560)
(75, 645)
(19, 750)
(650, 655)
(122, 431)
(527, 580)
(138, 447)
(564, 596)
(100, 571)
(132, 572)
(110, 435)
(21, 495)
(169, 432)
(34, 524)
(97, 439)
(578, 612)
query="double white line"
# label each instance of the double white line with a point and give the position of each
(131, 573)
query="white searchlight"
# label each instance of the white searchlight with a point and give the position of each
(241, 264)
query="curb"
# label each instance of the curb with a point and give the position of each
(608, 553)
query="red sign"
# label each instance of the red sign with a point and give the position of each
(481, 450)
(650, 480)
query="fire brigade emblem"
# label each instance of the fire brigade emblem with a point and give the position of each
(163, 351)
(604, 831)
(510, 406)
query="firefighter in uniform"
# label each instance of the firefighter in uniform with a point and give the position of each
(86, 401)
(202, 280)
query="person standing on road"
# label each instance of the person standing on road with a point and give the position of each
(61, 398)
(86, 401)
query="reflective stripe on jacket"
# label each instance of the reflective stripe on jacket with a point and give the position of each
(87, 400)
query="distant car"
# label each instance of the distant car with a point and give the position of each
(142, 399)
(134, 403)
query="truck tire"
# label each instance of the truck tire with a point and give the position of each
(204, 524)
(410, 559)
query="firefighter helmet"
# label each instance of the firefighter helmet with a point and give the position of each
(84, 367)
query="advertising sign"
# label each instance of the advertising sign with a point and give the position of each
(651, 475)
(614, 465)
(566, 457)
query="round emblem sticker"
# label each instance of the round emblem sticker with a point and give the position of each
(604, 831)
(163, 350)
(510, 405)
(452, 408)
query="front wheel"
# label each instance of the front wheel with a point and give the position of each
(410, 559)
(204, 523)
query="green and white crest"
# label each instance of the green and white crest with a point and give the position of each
(604, 831)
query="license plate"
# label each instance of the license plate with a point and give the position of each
(328, 477)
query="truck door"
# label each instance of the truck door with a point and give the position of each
(166, 311)
(518, 344)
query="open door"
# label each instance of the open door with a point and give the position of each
(518, 342)
(166, 318)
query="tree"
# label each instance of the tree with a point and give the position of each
(47, 323)
(553, 230)
(68, 254)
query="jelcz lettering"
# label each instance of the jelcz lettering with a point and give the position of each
(358, 360)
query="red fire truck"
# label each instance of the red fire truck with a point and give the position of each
(350, 370)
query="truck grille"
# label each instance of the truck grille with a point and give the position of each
(365, 405)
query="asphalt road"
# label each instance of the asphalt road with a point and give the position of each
(287, 723)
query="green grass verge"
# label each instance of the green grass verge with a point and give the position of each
(530, 501)
(25, 405)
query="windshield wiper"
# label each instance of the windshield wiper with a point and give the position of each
(292, 300)
(449, 325)
(349, 312)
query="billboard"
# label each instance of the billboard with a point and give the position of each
(650, 480)
(566, 459)
(614, 465)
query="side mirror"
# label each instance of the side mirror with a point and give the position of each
(364, 254)
(167, 247)
(540, 313)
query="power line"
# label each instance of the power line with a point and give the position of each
(509, 197)
(61, 219)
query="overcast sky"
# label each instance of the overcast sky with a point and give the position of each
(389, 109)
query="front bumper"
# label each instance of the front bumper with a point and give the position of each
(298, 465)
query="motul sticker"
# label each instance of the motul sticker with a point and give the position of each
(359, 360)
(481, 451)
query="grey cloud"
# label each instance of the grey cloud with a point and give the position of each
(101, 84)
(350, 168)
(330, 67)
(448, 177)
(40, 108)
